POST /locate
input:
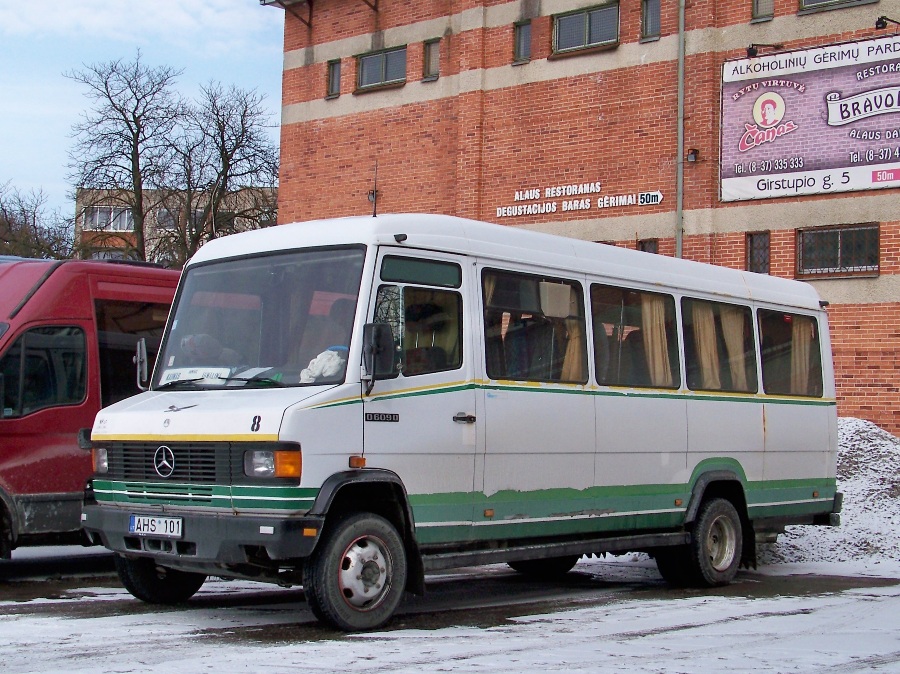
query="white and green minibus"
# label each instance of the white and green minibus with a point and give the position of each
(349, 404)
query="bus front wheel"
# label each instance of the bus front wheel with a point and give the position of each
(356, 576)
(156, 584)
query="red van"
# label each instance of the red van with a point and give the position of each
(68, 331)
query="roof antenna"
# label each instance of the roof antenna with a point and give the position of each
(373, 193)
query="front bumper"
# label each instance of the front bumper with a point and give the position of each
(208, 540)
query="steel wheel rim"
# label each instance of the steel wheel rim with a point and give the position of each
(364, 577)
(721, 543)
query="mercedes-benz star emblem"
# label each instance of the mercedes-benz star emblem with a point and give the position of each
(164, 461)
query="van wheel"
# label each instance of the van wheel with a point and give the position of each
(717, 543)
(355, 578)
(545, 568)
(157, 584)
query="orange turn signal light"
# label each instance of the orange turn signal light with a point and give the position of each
(357, 462)
(288, 464)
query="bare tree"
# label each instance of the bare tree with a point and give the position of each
(224, 173)
(188, 171)
(26, 230)
(122, 146)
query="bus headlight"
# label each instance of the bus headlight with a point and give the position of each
(100, 459)
(272, 463)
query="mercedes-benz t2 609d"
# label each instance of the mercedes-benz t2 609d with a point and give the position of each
(348, 404)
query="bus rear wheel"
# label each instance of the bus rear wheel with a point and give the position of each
(356, 576)
(717, 543)
(157, 584)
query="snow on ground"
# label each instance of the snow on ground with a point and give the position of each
(696, 632)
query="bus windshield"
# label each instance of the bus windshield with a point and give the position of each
(274, 320)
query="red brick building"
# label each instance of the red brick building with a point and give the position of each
(758, 134)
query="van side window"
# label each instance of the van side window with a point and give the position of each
(719, 351)
(427, 327)
(534, 328)
(119, 326)
(44, 367)
(635, 338)
(791, 354)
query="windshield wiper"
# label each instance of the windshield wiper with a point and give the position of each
(257, 379)
(176, 382)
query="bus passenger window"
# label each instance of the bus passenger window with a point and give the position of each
(635, 340)
(720, 353)
(791, 354)
(534, 328)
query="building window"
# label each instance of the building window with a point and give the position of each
(838, 251)
(763, 9)
(385, 67)
(108, 219)
(431, 60)
(827, 4)
(758, 252)
(586, 28)
(648, 245)
(650, 18)
(522, 42)
(333, 87)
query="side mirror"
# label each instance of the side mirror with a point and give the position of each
(378, 353)
(140, 361)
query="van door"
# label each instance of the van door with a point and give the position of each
(538, 409)
(422, 423)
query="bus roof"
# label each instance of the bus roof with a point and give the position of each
(511, 244)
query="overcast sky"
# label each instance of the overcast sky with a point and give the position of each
(229, 41)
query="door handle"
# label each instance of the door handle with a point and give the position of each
(465, 418)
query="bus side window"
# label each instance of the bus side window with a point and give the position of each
(791, 354)
(720, 353)
(534, 328)
(635, 338)
(43, 368)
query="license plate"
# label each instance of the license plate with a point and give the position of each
(149, 525)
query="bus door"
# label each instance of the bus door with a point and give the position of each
(539, 428)
(422, 423)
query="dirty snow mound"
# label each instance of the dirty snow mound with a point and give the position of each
(868, 474)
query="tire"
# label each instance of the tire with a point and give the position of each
(157, 584)
(674, 565)
(545, 568)
(356, 576)
(716, 544)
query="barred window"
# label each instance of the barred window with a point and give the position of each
(385, 67)
(522, 42)
(838, 251)
(592, 27)
(650, 18)
(758, 252)
(649, 245)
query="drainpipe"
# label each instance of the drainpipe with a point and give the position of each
(679, 160)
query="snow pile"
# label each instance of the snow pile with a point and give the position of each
(868, 474)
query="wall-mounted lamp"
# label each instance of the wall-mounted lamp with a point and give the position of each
(753, 49)
(693, 154)
(882, 22)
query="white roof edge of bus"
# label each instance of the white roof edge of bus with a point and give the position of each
(511, 244)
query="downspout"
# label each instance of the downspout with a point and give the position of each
(679, 163)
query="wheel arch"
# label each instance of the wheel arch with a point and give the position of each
(380, 492)
(728, 484)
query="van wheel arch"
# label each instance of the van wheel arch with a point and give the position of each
(380, 492)
(727, 485)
